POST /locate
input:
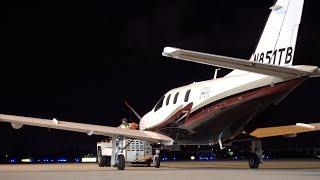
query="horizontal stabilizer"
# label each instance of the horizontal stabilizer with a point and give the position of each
(285, 130)
(285, 72)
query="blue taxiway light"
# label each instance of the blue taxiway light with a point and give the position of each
(203, 158)
(77, 160)
(62, 160)
(13, 161)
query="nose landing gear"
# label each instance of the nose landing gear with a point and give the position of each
(121, 162)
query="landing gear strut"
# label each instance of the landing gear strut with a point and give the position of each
(117, 158)
(255, 158)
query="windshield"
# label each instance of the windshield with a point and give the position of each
(159, 104)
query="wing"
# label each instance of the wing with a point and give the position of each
(242, 64)
(285, 130)
(18, 121)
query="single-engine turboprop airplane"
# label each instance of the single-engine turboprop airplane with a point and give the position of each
(222, 109)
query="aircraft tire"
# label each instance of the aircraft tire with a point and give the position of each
(157, 162)
(121, 162)
(254, 161)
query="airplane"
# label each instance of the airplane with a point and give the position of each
(220, 110)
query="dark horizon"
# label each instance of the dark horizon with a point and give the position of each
(79, 61)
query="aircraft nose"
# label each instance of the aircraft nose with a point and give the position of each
(143, 122)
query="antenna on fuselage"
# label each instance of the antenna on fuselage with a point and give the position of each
(216, 73)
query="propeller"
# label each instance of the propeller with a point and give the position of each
(135, 113)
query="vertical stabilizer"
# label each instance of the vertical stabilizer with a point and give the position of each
(278, 40)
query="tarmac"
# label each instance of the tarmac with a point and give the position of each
(186, 170)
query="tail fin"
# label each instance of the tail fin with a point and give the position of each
(278, 40)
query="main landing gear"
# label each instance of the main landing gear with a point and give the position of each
(121, 162)
(156, 159)
(255, 158)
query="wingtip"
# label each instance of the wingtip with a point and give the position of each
(169, 50)
(305, 125)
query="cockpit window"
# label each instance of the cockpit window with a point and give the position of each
(159, 104)
(175, 98)
(186, 98)
(168, 99)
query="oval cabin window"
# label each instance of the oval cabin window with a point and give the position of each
(186, 97)
(168, 99)
(175, 98)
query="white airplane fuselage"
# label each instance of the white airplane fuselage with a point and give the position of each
(224, 105)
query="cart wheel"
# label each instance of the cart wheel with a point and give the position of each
(108, 161)
(156, 162)
(102, 160)
(121, 162)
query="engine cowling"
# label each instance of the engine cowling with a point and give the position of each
(16, 125)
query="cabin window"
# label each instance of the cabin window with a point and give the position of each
(159, 104)
(186, 97)
(175, 98)
(168, 99)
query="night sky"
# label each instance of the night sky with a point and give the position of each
(78, 61)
